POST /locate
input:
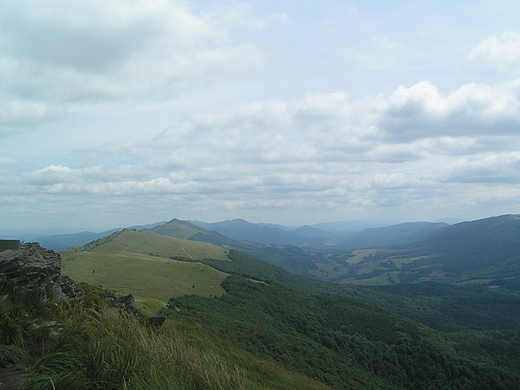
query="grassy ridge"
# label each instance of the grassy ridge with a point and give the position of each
(140, 263)
(153, 244)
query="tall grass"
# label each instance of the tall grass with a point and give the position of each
(118, 351)
(12, 325)
(13, 335)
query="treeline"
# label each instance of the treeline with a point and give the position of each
(343, 344)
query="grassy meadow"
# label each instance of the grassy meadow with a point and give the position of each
(146, 277)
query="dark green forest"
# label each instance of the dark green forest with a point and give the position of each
(347, 344)
(443, 307)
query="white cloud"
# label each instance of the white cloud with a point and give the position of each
(10, 162)
(499, 51)
(486, 168)
(474, 109)
(323, 149)
(53, 175)
(178, 106)
(22, 114)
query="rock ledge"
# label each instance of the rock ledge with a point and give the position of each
(36, 272)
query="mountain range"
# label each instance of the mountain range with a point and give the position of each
(416, 305)
(320, 237)
(421, 335)
(314, 239)
(482, 251)
(154, 254)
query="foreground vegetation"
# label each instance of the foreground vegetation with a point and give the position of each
(108, 349)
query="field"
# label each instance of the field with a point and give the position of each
(146, 277)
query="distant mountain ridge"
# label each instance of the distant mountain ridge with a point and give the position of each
(63, 242)
(313, 239)
(242, 230)
(481, 251)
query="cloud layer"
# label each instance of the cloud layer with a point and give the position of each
(322, 151)
(115, 109)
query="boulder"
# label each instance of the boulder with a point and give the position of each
(67, 291)
(127, 303)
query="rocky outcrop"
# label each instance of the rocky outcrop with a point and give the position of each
(36, 272)
(126, 303)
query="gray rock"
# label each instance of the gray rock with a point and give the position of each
(67, 291)
(127, 303)
(35, 271)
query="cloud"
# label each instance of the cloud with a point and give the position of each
(499, 51)
(53, 174)
(10, 162)
(421, 111)
(486, 168)
(23, 114)
(59, 54)
(324, 151)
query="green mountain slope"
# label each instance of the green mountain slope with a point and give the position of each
(148, 243)
(150, 273)
(309, 326)
(483, 251)
(179, 229)
(288, 257)
(343, 344)
(444, 307)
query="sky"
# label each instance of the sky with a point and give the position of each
(122, 112)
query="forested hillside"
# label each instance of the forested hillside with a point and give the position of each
(343, 344)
